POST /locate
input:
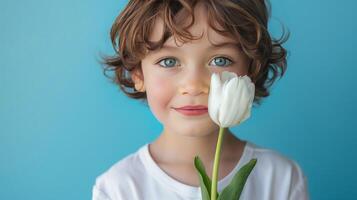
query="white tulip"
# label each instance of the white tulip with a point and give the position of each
(230, 98)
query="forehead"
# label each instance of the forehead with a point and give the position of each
(200, 27)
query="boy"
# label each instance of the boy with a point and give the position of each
(166, 52)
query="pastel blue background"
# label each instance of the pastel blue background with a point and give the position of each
(62, 123)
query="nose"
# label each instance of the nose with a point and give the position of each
(195, 82)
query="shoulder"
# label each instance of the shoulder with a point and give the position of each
(272, 159)
(278, 170)
(116, 179)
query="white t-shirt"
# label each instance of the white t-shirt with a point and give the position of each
(138, 177)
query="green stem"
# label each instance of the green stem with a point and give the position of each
(216, 163)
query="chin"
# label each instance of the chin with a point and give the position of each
(197, 130)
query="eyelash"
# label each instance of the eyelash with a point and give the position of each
(229, 60)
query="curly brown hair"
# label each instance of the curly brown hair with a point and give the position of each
(244, 20)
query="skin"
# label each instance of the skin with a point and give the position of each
(185, 80)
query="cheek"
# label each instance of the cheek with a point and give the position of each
(239, 71)
(159, 93)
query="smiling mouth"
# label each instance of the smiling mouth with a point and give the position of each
(193, 107)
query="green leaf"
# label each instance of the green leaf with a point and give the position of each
(205, 181)
(235, 187)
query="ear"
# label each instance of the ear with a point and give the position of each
(138, 79)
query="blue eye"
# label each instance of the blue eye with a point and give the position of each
(222, 61)
(172, 62)
(167, 62)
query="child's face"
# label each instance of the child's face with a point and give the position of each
(177, 76)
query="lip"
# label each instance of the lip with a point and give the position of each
(192, 110)
(193, 107)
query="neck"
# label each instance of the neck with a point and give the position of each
(172, 148)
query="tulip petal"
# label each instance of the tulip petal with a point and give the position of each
(246, 100)
(227, 75)
(237, 106)
(228, 93)
(214, 97)
(252, 93)
(222, 107)
(234, 104)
